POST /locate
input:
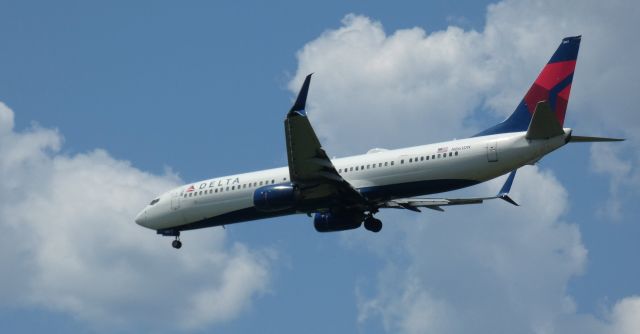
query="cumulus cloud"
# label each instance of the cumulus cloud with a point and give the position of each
(492, 269)
(69, 243)
(497, 268)
(361, 73)
(440, 80)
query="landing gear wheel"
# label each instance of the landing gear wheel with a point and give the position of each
(373, 224)
(176, 244)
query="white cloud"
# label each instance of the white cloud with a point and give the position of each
(474, 269)
(495, 268)
(393, 82)
(624, 176)
(625, 316)
(69, 243)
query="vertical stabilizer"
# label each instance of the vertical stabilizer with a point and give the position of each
(553, 85)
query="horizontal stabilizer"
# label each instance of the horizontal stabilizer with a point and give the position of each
(544, 124)
(586, 139)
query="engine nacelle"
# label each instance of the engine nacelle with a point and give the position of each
(332, 222)
(275, 197)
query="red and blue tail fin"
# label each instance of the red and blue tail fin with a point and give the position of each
(553, 85)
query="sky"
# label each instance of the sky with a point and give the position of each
(104, 105)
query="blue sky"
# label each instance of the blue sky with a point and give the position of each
(114, 102)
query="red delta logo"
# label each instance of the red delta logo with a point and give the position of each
(191, 188)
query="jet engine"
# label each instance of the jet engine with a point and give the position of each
(275, 197)
(340, 221)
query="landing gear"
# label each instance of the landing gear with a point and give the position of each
(177, 243)
(372, 224)
(172, 233)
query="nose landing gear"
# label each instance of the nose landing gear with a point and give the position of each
(172, 233)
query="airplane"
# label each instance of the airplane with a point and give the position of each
(346, 193)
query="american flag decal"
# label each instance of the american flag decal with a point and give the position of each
(442, 149)
(191, 188)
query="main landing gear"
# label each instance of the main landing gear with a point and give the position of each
(372, 224)
(176, 243)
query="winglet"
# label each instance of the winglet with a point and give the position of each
(504, 192)
(301, 101)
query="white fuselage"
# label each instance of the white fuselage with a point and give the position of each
(430, 168)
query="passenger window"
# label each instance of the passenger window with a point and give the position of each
(233, 187)
(450, 154)
(385, 164)
(433, 156)
(421, 158)
(227, 189)
(427, 157)
(391, 163)
(356, 167)
(456, 153)
(351, 169)
(402, 161)
(273, 181)
(438, 156)
(380, 164)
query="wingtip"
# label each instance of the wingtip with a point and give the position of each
(506, 197)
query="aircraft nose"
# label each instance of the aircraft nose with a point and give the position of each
(141, 218)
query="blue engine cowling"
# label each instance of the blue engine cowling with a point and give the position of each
(332, 222)
(275, 197)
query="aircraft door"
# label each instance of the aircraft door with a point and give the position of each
(175, 201)
(492, 151)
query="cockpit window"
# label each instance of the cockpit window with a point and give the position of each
(154, 201)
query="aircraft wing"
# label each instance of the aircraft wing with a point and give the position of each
(414, 204)
(310, 168)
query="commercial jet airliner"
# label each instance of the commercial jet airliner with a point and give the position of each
(346, 193)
